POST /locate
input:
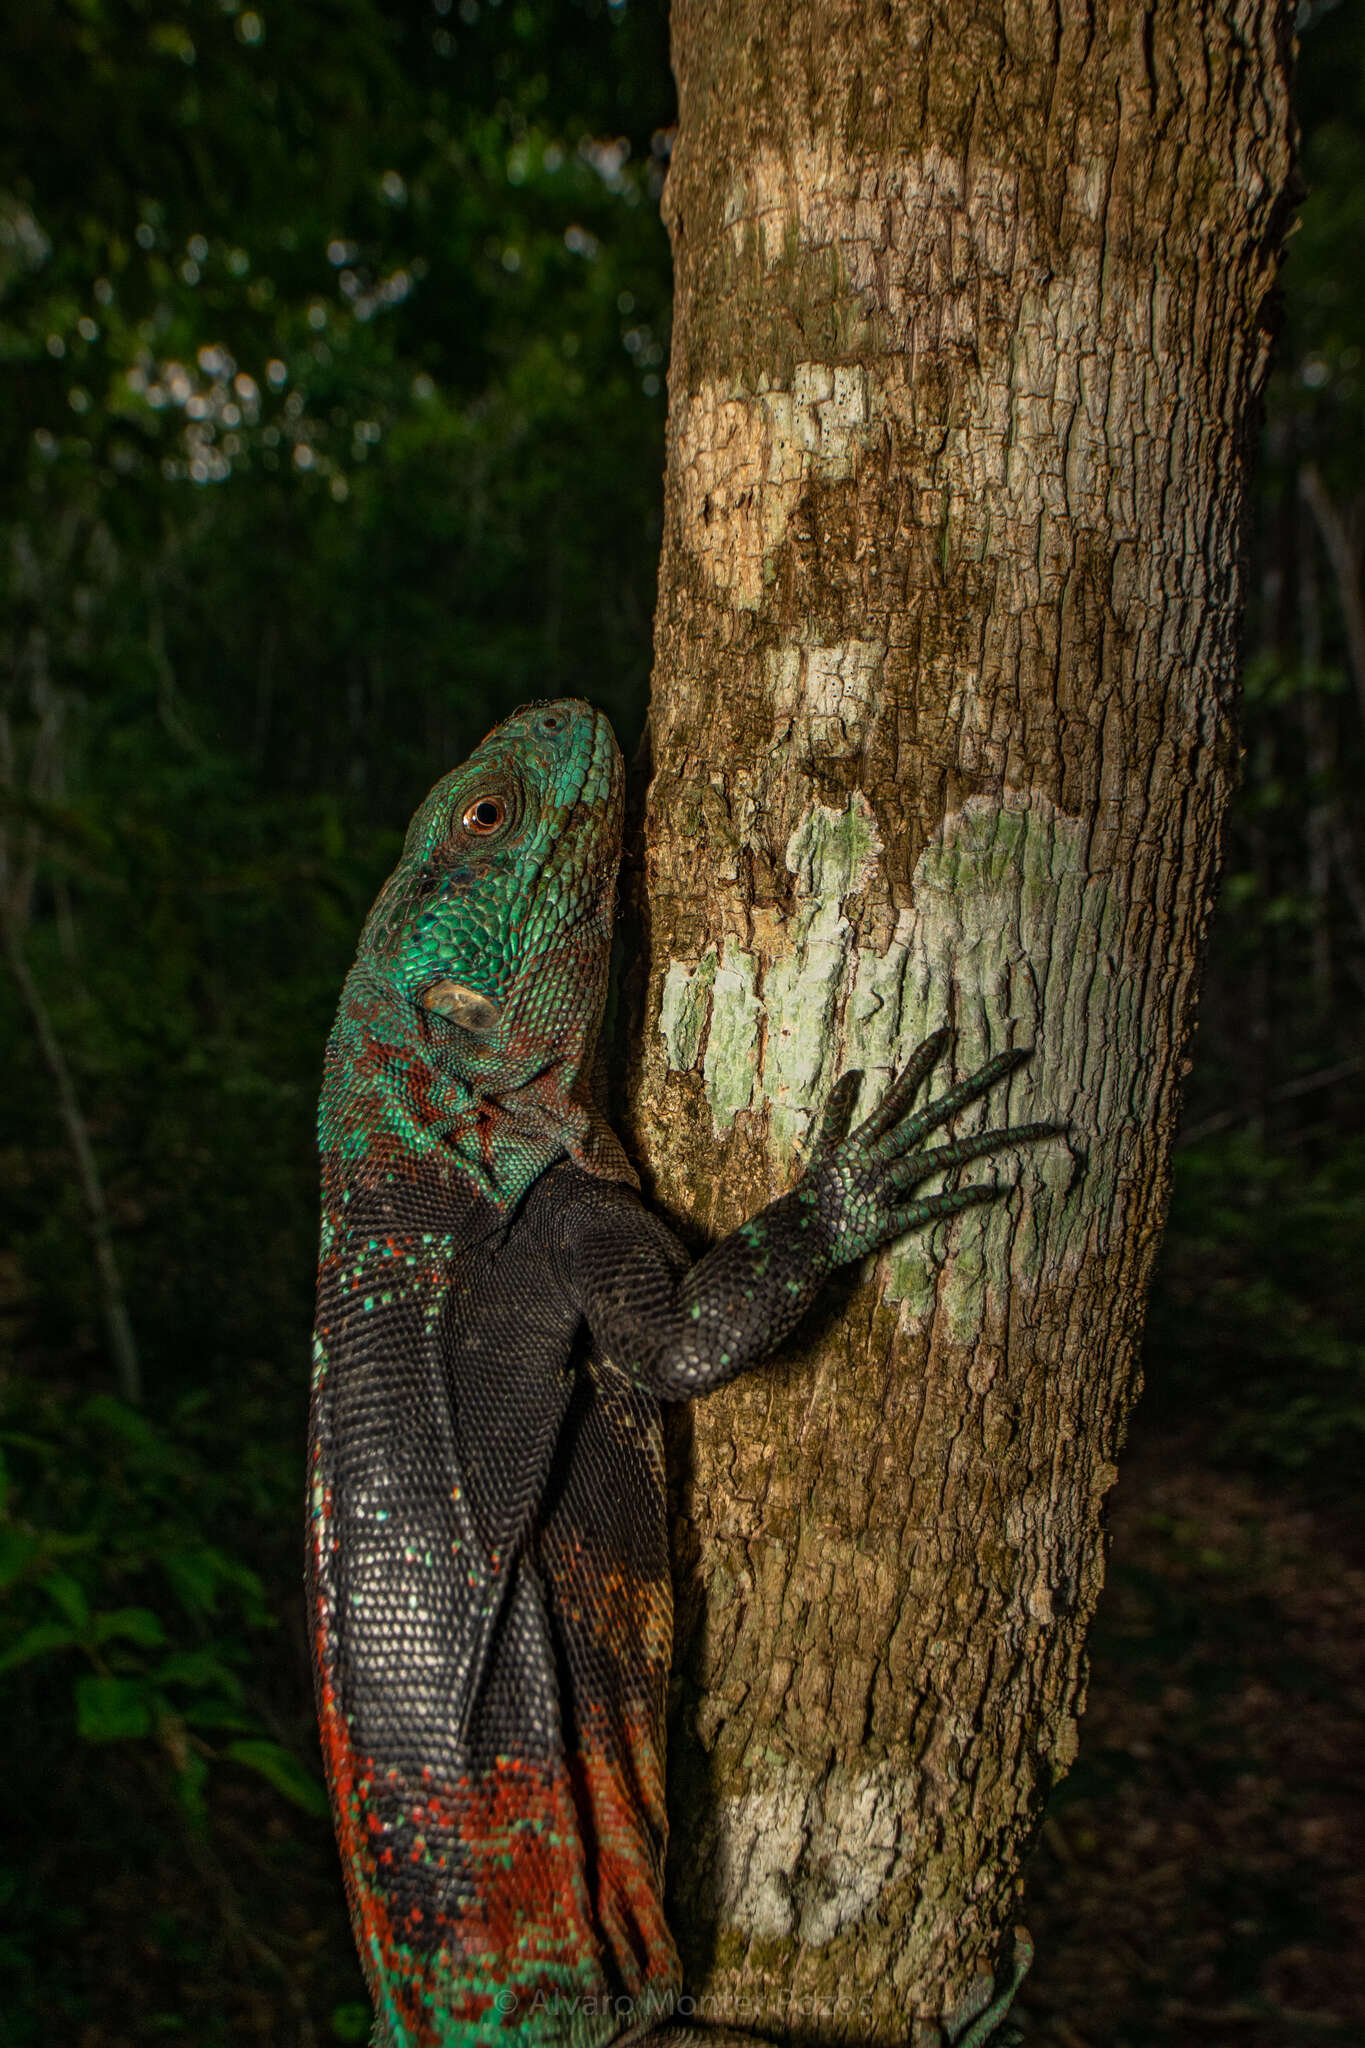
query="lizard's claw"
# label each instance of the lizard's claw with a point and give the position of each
(917, 1166)
(903, 1090)
(837, 1117)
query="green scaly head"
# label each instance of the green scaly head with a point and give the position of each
(467, 1025)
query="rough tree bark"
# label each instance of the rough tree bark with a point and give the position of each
(969, 327)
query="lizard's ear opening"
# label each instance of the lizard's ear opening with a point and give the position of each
(463, 1006)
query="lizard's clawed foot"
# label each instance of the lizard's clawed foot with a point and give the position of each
(861, 1178)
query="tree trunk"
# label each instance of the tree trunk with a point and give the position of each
(968, 334)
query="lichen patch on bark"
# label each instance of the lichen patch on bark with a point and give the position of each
(1001, 899)
(729, 1062)
(683, 1010)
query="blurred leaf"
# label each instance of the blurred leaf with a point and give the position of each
(37, 1641)
(18, 1549)
(109, 1413)
(190, 1779)
(201, 1572)
(351, 2022)
(131, 1624)
(112, 1709)
(68, 1595)
(282, 1769)
(201, 1670)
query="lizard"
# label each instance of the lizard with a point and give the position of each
(499, 1322)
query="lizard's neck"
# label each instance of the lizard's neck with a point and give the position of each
(394, 1109)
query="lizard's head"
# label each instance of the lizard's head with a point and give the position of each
(501, 906)
(482, 967)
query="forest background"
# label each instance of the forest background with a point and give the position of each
(334, 341)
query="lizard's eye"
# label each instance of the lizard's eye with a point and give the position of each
(484, 815)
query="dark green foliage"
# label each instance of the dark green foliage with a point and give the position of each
(1258, 1320)
(252, 613)
(395, 317)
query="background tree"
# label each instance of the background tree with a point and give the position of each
(969, 323)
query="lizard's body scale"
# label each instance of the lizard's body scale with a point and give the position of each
(500, 1860)
(498, 1321)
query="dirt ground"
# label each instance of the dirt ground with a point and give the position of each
(1199, 1876)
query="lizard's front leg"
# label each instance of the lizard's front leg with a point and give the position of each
(685, 1336)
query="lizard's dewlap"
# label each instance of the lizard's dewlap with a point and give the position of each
(498, 1321)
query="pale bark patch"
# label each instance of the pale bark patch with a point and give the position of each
(774, 206)
(1010, 940)
(683, 1009)
(730, 1061)
(825, 698)
(797, 1855)
(745, 461)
